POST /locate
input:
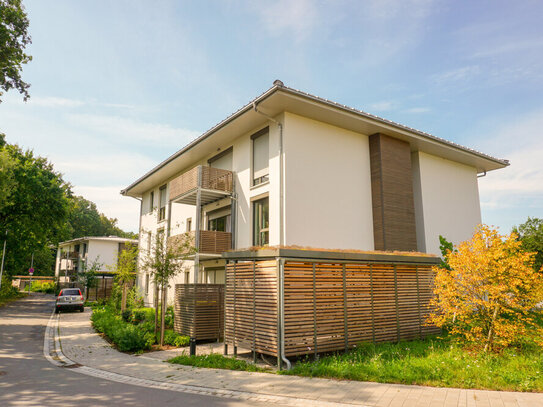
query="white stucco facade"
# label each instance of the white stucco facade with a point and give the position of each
(446, 201)
(328, 186)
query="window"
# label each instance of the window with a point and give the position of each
(219, 224)
(151, 201)
(163, 199)
(189, 224)
(261, 156)
(261, 222)
(146, 283)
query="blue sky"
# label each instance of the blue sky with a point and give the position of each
(117, 86)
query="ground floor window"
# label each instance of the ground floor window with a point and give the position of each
(261, 222)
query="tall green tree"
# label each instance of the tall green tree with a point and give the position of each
(36, 211)
(14, 38)
(531, 235)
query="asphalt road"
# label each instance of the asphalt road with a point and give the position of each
(28, 379)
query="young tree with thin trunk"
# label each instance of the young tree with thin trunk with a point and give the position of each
(166, 260)
(126, 270)
(489, 292)
(88, 276)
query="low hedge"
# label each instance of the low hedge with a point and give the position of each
(135, 335)
(125, 336)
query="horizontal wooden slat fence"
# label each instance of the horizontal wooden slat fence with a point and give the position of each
(327, 306)
(199, 310)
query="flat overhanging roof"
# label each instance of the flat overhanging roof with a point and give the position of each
(279, 99)
(331, 255)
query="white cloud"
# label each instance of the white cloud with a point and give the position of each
(521, 184)
(457, 75)
(134, 130)
(417, 110)
(297, 18)
(110, 202)
(382, 106)
(51, 101)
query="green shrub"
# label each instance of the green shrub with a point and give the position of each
(126, 315)
(174, 339)
(140, 315)
(48, 287)
(127, 337)
(7, 291)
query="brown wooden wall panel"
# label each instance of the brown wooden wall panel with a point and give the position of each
(212, 178)
(392, 194)
(199, 310)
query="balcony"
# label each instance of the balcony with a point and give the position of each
(211, 242)
(213, 183)
(70, 255)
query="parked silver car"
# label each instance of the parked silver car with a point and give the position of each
(69, 298)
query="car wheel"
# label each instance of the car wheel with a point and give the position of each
(57, 310)
(82, 309)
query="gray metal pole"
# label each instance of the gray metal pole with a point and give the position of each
(198, 225)
(3, 256)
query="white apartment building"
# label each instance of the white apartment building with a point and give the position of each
(73, 256)
(293, 169)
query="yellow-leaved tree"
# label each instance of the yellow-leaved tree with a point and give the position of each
(489, 294)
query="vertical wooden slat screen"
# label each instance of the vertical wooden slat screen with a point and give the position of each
(381, 304)
(328, 306)
(199, 310)
(251, 306)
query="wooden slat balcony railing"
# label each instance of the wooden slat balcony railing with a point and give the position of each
(211, 242)
(213, 179)
(71, 255)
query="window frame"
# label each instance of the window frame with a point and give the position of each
(258, 231)
(264, 178)
(162, 209)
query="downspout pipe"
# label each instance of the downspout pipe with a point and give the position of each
(282, 311)
(281, 183)
(482, 175)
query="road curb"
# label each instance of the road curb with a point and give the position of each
(52, 351)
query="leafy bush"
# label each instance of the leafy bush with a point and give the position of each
(488, 291)
(48, 287)
(133, 298)
(126, 315)
(140, 315)
(127, 337)
(174, 339)
(8, 291)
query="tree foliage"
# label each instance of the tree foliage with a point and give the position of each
(126, 270)
(38, 210)
(488, 294)
(13, 40)
(530, 234)
(84, 219)
(88, 277)
(35, 212)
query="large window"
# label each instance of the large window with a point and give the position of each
(261, 222)
(261, 141)
(151, 201)
(221, 224)
(163, 201)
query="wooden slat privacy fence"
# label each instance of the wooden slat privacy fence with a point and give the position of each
(211, 242)
(327, 306)
(251, 306)
(199, 310)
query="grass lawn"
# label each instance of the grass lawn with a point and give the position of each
(431, 362)
(216, 361)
